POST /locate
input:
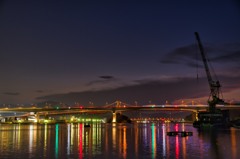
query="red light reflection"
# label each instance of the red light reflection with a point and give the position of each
(177, 143)
(80, 142)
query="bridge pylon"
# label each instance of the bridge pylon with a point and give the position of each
(114, 115)
(118, 103)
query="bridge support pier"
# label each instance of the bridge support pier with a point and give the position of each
(195, 116)
(37, 117)
(114, 117)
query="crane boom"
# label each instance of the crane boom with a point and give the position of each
(214, 85)
(209, 77)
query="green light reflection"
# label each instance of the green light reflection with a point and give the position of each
(56, 141)
(153, 141)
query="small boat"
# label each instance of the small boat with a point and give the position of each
(180, 133)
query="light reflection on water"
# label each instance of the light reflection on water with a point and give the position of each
(116, 141)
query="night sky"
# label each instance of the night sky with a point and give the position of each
(98, 52)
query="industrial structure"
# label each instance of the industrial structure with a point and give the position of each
(213, 117)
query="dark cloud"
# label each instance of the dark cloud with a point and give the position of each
(190, 55)
(106, 77)
(12, 93)
(143, 92)
(187, 55)
(230, 57)
(103, 80)
(177, 55)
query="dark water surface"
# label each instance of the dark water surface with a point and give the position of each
(115, 141)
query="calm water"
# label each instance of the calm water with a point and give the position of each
(116, 141)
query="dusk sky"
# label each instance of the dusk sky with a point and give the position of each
(98, 52)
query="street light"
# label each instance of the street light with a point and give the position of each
(136, 103)
(166, 102)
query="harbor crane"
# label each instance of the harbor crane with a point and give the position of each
(214, 97)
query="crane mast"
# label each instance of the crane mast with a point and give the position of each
(214, 85)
